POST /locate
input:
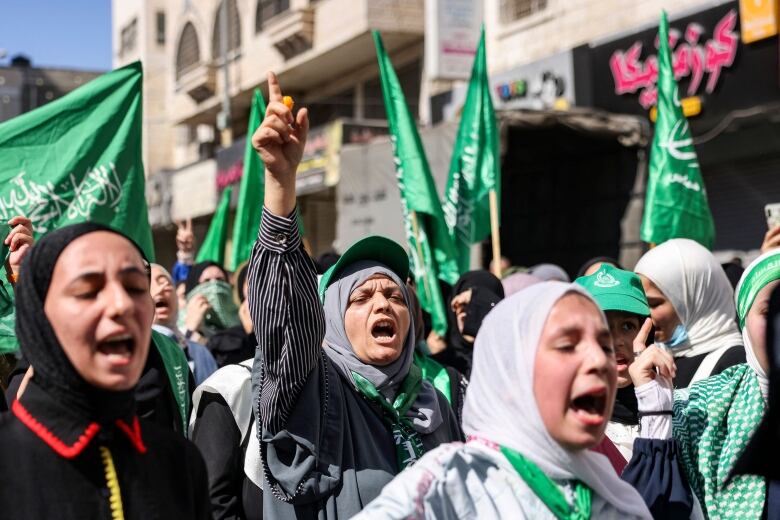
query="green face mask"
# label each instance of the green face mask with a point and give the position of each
(224, 311)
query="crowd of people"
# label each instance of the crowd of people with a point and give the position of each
(295, 388)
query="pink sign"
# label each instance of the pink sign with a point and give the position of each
(691, 58)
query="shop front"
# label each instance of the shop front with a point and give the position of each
(568, 172)
(730, 92)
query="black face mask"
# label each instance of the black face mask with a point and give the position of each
(53, 372)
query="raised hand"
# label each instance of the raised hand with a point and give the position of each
(197, 308)
(19, 240)
(640, 340)
(280, 140)
(185, 238)
(651, 363)
(771, 239)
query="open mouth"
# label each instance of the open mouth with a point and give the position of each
(621, 362)
(591, 406)
(383, 331)
(118, 348)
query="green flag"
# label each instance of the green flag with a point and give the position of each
(250, 194)
(676, 201)
(431, 250)
(213, 247)
(475, 168)
(78, 159)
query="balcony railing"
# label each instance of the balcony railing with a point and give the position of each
(200, 82)
(292, 32)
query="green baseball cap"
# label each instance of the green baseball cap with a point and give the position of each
(377, 248)
(616, 290)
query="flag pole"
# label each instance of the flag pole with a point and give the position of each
(494, 234)
(416, 231)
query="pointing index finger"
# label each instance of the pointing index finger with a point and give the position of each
(274, 90)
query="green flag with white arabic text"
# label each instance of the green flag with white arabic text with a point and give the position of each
(213, 247)
(430, 246)
(475, 168)
(78, 159)
(676, 200)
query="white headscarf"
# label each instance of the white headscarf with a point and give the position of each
(500, 404)
(695, 283)
(762, 271)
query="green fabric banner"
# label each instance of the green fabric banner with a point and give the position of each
(213, 247)
(431, 250)
(78, 159)
(250, 193)
(676, 200)
(475, 168)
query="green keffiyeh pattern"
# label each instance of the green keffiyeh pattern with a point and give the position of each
(224, 311)
(713, 421)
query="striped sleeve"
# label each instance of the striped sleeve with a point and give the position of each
(287, 315)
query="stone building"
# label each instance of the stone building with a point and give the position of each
(24, 87)
(197, 97)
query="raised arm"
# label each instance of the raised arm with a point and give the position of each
(283, 303)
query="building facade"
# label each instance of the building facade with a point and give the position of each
(198, 87)
(574, 111)
(575, 82)
(24, 87)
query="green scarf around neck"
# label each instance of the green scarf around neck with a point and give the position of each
(408, 444)
(435, 373)
(177, 368)
(548, 491)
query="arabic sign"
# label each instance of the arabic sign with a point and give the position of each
(701, 62)
(544, 84)
(709, 61)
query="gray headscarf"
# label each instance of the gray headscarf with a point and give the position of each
(424, 413)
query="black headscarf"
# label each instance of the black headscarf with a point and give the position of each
(597, 260)
(193, 277)
(54, 373)
(487, 291)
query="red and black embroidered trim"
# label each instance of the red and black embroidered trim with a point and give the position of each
(62, 449)
(73, 450)
(134, 433)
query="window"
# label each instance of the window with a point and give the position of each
(188, 53)
(512, 10)
(160, 27)
(267, 9)
(128, 37)
(234, 30)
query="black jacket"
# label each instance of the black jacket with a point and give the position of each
(53, 464)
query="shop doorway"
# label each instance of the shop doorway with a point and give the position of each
(565, 195)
